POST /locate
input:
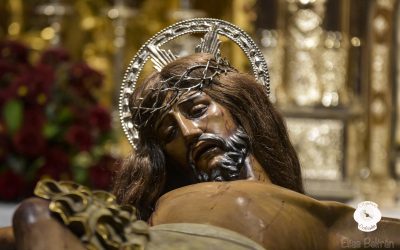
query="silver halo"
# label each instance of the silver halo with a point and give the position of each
(197, 25)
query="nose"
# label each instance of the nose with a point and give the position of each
(190, 130)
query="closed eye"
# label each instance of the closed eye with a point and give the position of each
(169, 134)
(197, 110)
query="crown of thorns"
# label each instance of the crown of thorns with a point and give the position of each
(177, 86)
(135, 116)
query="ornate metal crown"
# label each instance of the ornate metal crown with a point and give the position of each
(160, 58)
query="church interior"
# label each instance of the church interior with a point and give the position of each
(335, 77)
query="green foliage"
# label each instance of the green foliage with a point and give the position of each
(13, 115)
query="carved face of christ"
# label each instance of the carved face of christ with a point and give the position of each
(201, 137)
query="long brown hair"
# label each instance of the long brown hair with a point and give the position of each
(144, 174)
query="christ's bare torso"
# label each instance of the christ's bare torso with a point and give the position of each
(275, 217)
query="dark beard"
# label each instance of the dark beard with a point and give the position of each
(236, 148)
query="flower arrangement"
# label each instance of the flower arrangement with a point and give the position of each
(51, 124)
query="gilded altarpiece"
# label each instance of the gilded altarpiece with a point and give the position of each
(332, 73)
(333, 67)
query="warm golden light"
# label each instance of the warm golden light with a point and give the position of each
(47, 33)
(88, 23)
(14, 29)
(355, 41)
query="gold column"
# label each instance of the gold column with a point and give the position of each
(243, 16)
(320, 117)
(16, 22)
(380, 185)
(304, 36)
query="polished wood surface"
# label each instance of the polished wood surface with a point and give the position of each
(35, 229)
(275, 217)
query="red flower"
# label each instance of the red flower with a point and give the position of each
(56, 165)
(12, 185)
(53, 128)
(100, 175)
(7, 74)
(34, 84)
(83, 74)
(83, 79)
(100, 118)
(4, 147)
(13, 52)
(54, 56)
(79, 137)
(35, 117)
(57, 156)
(29, 141)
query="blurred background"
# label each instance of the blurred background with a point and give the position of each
(335, 72)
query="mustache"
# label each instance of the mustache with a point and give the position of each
(236, 148)
(233, 142)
